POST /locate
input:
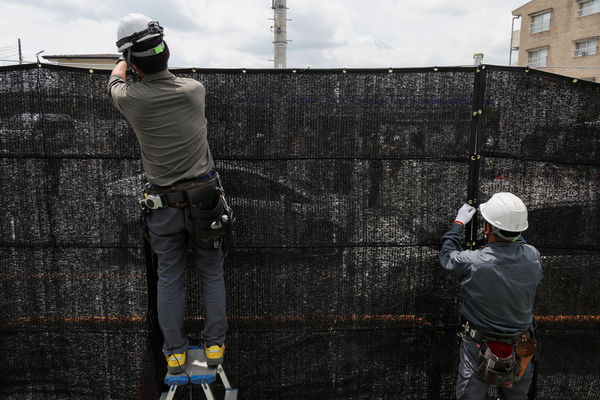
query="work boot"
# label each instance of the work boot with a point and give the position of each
(176, 363)
(214, 354)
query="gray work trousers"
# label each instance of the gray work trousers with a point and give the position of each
(168, 228)
(471, 386)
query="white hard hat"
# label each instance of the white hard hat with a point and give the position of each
(136, 28)
(506, 212)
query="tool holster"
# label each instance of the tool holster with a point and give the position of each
(503, 368)
(494, 369)
(211, 219)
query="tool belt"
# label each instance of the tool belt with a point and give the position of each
(503, 358)
(210, 217)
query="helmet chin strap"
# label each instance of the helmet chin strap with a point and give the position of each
(496, 232)
(127, 58)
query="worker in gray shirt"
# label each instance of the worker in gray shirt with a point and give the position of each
(497, 292)
(183, 197)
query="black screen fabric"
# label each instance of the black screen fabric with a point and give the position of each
(343, 182)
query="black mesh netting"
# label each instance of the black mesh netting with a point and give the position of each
(343, 183)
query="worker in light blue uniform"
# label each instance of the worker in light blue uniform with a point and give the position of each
(497, 291)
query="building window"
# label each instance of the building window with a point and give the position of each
(540, 22)
(537, 57)
(586, 47)
(588, 7)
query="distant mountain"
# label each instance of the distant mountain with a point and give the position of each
(374, 43)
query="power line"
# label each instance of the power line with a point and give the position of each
(12, 50)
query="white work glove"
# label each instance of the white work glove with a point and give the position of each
(465, 214)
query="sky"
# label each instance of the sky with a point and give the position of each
(237, 33)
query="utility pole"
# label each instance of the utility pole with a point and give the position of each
(20, 53)
(279, 30)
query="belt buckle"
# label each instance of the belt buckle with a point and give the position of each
(470, 331)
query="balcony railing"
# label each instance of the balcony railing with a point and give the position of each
(582, 12)
(584, 52)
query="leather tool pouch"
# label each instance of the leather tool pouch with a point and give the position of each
(524, 347)
(496, 370)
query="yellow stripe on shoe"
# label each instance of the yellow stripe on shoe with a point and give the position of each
(176, 363)
(214, 355)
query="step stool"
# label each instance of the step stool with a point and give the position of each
(198, 373)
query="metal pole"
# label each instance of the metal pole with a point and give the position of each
(279, 30)
(20, 53)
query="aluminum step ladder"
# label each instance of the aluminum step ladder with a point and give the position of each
(197, 372)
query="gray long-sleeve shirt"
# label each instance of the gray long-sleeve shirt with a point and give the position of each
(167, 116)
(497, 282)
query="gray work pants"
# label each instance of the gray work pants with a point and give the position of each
(168, 228)
(471, 386)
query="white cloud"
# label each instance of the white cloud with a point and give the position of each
(229, 34)
(414, 33)
(235, 33)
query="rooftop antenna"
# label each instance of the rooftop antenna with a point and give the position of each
(279, 31)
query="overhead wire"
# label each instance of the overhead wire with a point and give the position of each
(10, 53)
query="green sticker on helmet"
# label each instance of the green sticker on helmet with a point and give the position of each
(159, 49)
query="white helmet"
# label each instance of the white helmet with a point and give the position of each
(505, 211)
(136, 28)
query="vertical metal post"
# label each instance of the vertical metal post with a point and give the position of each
(279, 31)
(20, 53)
(474, 156)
